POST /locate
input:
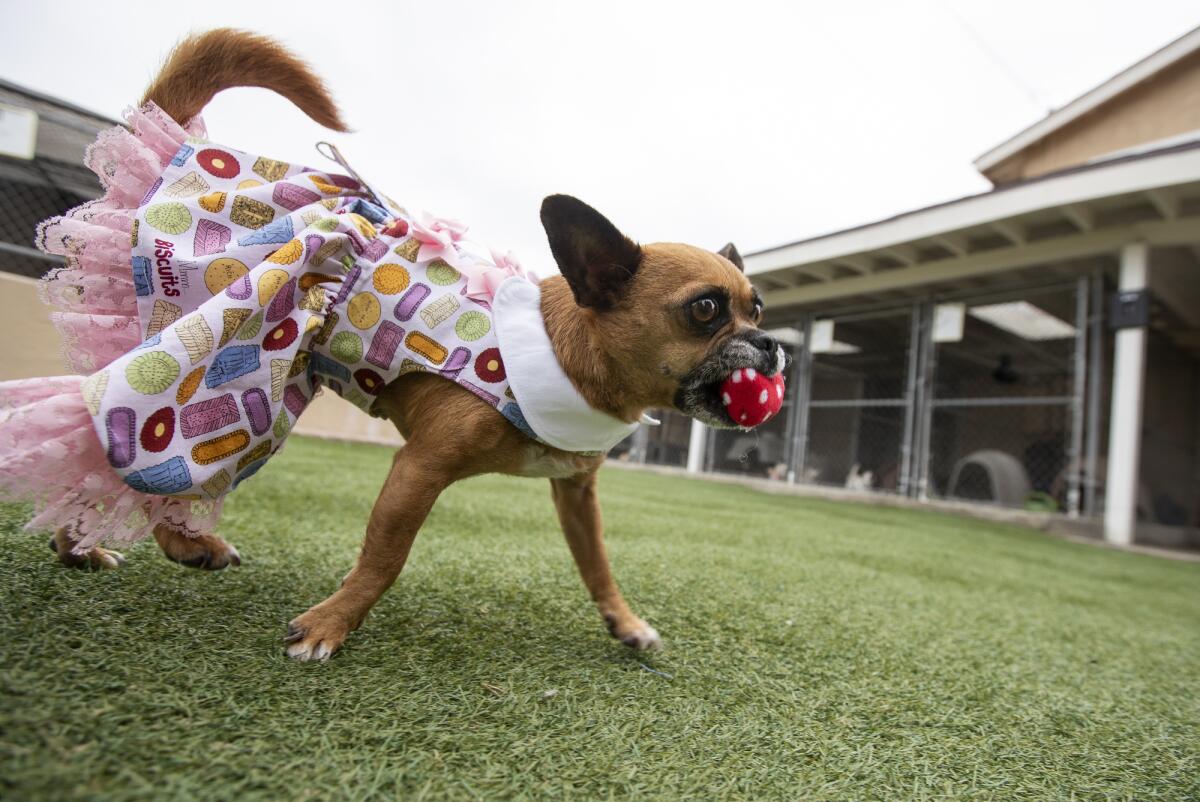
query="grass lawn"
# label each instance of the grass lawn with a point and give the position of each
(814, 651)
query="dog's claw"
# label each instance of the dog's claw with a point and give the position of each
(640, 636)
(314, 637)
(214, 553)
(645, 639)
(95, 559)
(304, 653)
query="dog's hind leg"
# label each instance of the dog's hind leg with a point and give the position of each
(209, 552)
(94, 559)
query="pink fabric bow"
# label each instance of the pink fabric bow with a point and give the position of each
(484, 279)
(439, 238)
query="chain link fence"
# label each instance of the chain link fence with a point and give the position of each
(28, 196)
(860, 405)
(992, 408)
(1005, 419)
(665, 444)
(53, 181)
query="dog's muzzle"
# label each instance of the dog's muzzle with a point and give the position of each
(699, 394)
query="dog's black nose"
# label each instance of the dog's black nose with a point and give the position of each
(764, 342)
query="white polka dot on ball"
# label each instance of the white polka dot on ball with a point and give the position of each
(725, 397)
(762, 397)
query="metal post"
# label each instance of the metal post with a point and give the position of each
(640, 445)
(696, 449)
(924, 412)
(1095, 377)
(793, 394)
(1125, 423)
(1078, 379)
(910, 390)
(803, 378)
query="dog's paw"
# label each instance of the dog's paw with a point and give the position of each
(314, 636)
(96, 559)
(634, 633)
(208, 552)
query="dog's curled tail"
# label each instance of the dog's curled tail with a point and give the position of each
(203, 64)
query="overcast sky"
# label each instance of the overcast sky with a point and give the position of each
(700, 122)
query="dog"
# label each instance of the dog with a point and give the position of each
(632, 327)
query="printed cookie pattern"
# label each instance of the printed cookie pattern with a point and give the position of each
(257, 282)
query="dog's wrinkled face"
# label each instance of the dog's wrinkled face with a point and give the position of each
(678, 319)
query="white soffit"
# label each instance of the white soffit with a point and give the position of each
(1077, 186)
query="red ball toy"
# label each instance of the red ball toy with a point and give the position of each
(751, 398)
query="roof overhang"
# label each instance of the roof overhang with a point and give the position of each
(1077, 212)
(1179, 49)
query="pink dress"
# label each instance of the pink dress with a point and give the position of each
(208, 295)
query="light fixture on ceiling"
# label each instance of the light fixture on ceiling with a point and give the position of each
(787, 335)
(1024, 320)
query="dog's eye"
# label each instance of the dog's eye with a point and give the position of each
(757, 312)
(705, 310)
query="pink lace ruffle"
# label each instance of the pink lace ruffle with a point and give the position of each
(50, 451)
(53, 457)
(92, 295)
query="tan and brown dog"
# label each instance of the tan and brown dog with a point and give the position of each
(634, 327)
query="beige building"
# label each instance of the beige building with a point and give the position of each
(1033, 346)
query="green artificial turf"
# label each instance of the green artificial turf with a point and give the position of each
(814, 651)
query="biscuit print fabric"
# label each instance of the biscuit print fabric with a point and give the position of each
(51, 455)
(259, 281)
(209, 294)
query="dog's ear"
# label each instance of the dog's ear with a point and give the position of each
(731, 253)
(595, 258)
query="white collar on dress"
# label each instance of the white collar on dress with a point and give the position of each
(552, 406)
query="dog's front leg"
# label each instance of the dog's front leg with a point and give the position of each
(578, 508)
(407, 496)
